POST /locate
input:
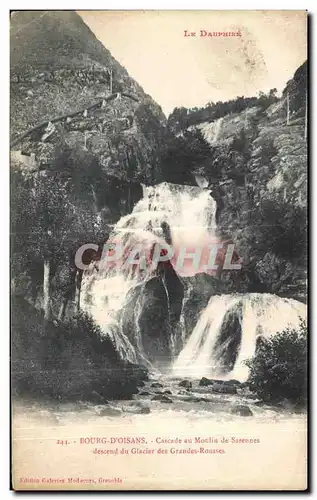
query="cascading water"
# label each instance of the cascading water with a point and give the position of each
(107, 292)
(257, 315)
(227, 329)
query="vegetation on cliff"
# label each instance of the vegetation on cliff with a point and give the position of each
(67, 361)
(278, 371)
(183, 118)
(253, 157)
(93, 137)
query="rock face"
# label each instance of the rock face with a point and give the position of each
(59, 67)
(77, 115)
(257, 172)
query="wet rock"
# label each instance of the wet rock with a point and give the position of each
(195, 399)
(242, 410)
(110, 411)
(141, 383)
(205, 381)
(156, 385)
(144, 393)
(145, 410)
(154, 327)
(137, 409)
(167, 392)
(162, 398)
(224, 389)
(186, 383)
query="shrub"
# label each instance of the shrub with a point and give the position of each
(68, 361)
(278, 371)
(283, 229)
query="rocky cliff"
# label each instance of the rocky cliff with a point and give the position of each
(82, 132)
(68, 88)
(256, 168)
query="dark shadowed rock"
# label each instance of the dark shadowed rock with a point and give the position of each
(167, 392)
(144, 393)
(186, 383)
(156, 385)
(205, 381)
(144, 411)
(242, 410)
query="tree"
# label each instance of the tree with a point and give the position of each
(279, 368)
(183, 154)
(53, 216)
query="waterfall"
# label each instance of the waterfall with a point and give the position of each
(109, 292)
(118, 297)
(229, 327)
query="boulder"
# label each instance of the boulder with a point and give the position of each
(156, 385)
(167, 392)
(205, 381)
(186, 383)
(144, 393)
(145, 410)
(242, 410)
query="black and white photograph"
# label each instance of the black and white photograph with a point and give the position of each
(158, 247)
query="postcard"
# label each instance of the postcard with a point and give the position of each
(158, 171)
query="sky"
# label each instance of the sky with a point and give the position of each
(190, 71)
